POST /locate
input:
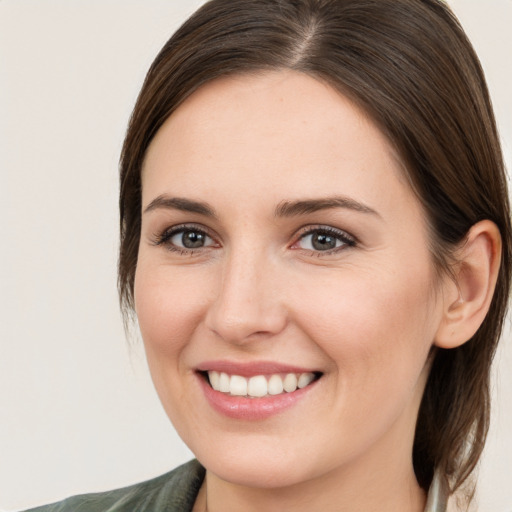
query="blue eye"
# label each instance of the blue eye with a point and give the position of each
(324, 239)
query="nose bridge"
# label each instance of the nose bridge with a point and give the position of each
(248, 300)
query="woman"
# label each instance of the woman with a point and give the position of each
(315, 238)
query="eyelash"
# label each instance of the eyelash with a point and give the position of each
(346, 239)
(165, 237)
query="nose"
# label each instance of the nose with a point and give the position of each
(248, 305)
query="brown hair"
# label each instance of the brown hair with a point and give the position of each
(410, 66)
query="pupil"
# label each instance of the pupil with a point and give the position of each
(192, 239)
(323, 242)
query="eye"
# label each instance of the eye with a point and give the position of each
(184, 238)
(324, 240)
(190, 239)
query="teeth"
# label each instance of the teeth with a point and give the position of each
(275, 385)
(259, 385)
(290, 383)
(214, 379)
(223, 383)
(305, 379)
(238, 385)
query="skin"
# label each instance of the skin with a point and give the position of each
(365, 315)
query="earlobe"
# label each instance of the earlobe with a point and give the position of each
(468, 296)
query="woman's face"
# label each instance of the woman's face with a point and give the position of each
(279, 242)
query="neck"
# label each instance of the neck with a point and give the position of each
(386, 490)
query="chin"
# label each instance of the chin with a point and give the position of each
(256, 472)
(259, 461)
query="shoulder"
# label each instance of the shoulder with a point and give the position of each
(175, 491)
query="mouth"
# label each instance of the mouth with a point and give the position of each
(257, 390)
(259, 386)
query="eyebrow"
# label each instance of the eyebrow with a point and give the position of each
(283, 209)
(182, 204)
(303, 207)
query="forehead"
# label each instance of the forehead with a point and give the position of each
(276, 131)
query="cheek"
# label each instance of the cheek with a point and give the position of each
(167, 308)
(373, 326)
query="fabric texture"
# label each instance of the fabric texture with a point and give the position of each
(176, 492)
(173, 492)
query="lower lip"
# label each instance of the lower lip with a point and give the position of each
(252, 409)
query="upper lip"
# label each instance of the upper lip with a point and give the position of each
(249, 369)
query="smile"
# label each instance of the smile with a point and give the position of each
(259, 386)
(254, 391)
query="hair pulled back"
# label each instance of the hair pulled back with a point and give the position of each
(410, 66)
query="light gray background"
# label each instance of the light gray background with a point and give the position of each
(77, 409)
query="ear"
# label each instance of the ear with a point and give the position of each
(468, 296)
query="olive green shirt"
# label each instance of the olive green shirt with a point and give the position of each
(173, 492)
